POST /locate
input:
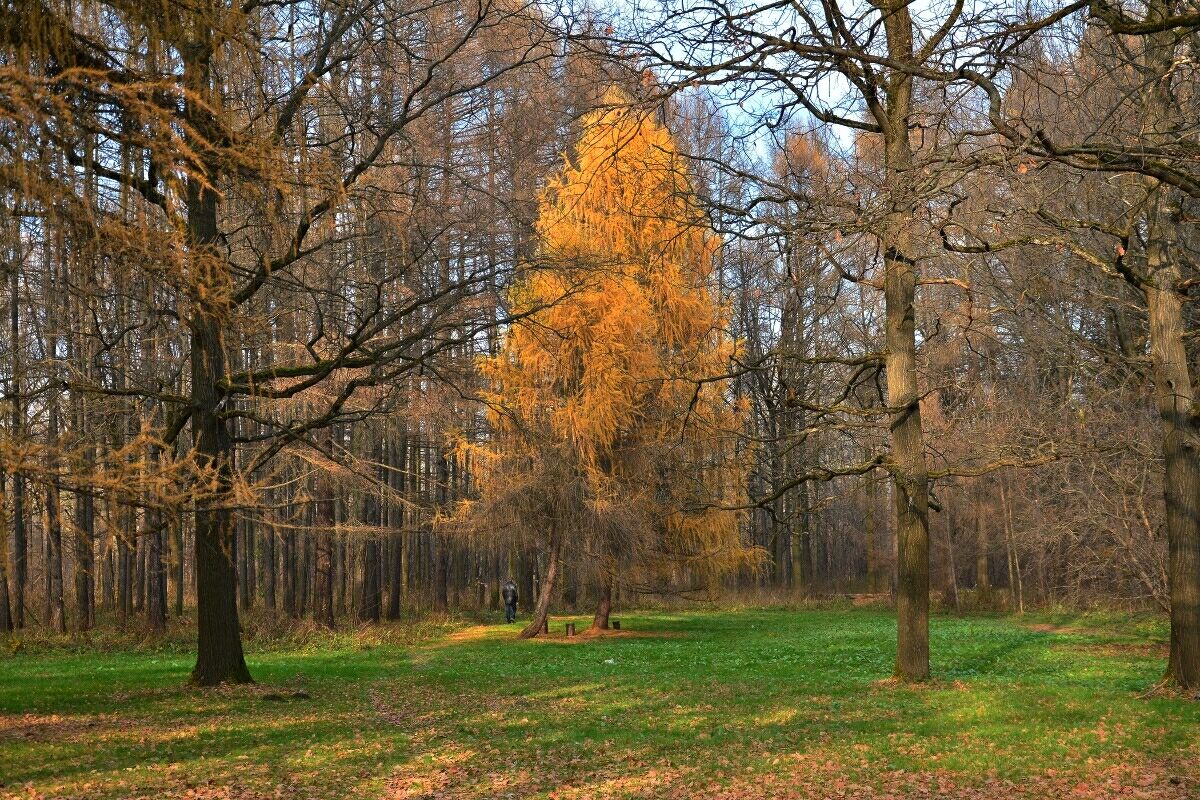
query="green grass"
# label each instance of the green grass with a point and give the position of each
(752, 703)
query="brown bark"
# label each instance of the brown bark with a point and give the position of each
(325, 519)
(287, 569)
(341, 569)
(528, 566)
(397, 455)
(20, 551)
(908, 466)
(177, 561)
(951, 564)
(156, 606)
(983, 581)
(1015, 587)
(219, 656)
(872, 554)
(545, 594)
(139, 574)
(369, 609)
(1174, 392)
(604, 604)
(268, 566)
(802, 555)
(323, 600)
(56, 612)
(85, 588)
(6, 624)
(124, 600)
(570, 588)
(243, 537)
(20, 540)
(306, 566)
(1181, 481)
(156, 596)
(441, 574)
(6, 620)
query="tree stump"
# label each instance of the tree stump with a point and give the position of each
(570, 629)
(616, 624)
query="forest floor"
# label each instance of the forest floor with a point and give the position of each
(713, 704)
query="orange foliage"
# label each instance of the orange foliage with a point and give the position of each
(604, 393)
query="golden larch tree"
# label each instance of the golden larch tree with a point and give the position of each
(612, 427)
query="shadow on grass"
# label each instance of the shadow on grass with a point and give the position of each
(686, 705)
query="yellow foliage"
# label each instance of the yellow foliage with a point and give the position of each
(612, 371)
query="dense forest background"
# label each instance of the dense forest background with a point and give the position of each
(260, 262)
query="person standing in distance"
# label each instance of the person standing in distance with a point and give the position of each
(509, 594)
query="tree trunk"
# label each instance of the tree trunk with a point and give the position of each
(441, 578)
(604, 605)
(780, 546)
(219, 656)
(325, 513)
(287, 570)
(6, 620)
(20, 540)
(1014, 560)
(84, 568)
(396, 569)
(796, 544)
(342, 570)
(56, 612)
(983, 580)
(872, 554)
(527, 591)
(20, 552)
(802, 553)
(323, 600)
(156, 607)
(1174, 392)
(306, 567)
(243, 564)
(124, 601)
(139, 574)
(397, 457)
(268, 560)
(55, 607)
(951, 564)
(441, 574)
(152, 538)
(179, 546)
(107, 585)
(546, 593)
(177, 561)
(368, 610)
(911, 498)
(570, 588)
(1181, 481)
(251, 563)
(497, 580)
(908, 466)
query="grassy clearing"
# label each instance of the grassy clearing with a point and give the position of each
(754, 703)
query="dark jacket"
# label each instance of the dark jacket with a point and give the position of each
(509, 593)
